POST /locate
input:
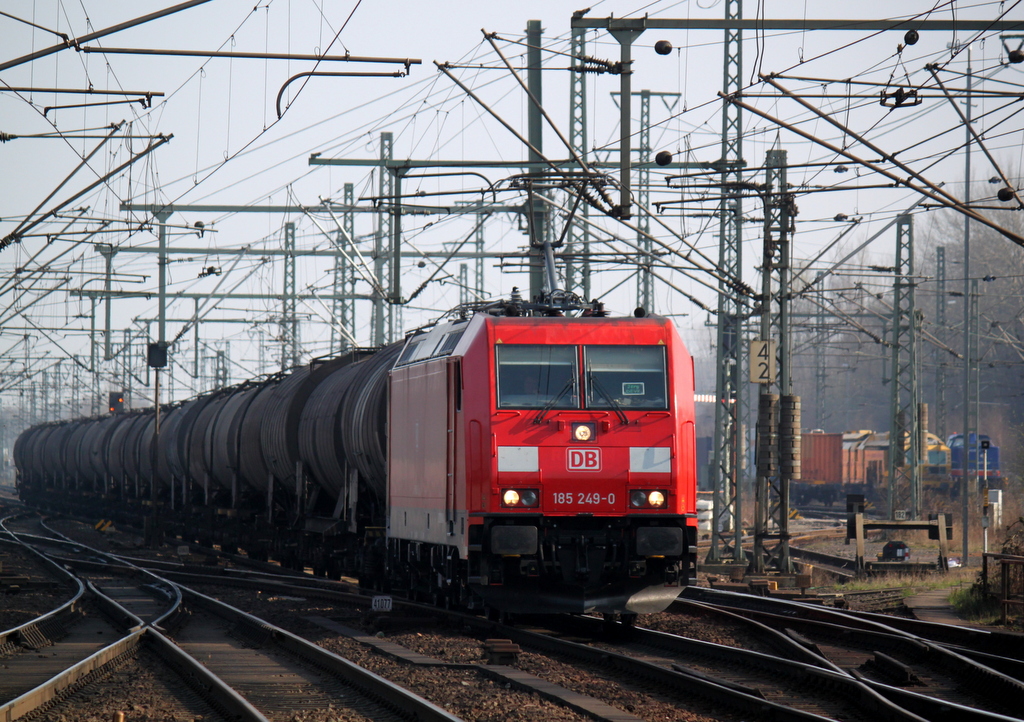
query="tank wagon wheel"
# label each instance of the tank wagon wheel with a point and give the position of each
(437, 598)
(457, 596)
(500, 616)
(625, 621)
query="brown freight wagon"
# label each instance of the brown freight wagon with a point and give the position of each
(865, 467)
(821, 475)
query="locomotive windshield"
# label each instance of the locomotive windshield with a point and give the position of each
(535, 377)
(625, 376)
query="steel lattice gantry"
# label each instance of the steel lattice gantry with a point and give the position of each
(644, 240)
(973, 388)
(726, 452)
(343, 322)
(940, 323)
(821, 337)
(644, 281)
(904, 439)
(387, 187)
(778, 424)
(289, 323)
(577, 274)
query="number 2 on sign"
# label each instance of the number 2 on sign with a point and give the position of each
(762, 362)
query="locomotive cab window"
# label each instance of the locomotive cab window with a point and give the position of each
(536, 377)
(625, 376)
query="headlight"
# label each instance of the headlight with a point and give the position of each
(583, 431)
(520, 498)
(641, 499)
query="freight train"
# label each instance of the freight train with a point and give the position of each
(498, 461)
(857, 462)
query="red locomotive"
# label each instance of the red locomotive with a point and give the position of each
(525, 463)
(549, 461)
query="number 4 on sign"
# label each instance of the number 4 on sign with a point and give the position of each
(762, 362)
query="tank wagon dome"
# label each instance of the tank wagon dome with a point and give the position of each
(279, 430)
(320, 445)
(89, 441)
(364, 418)
(279, 439)
(169, 421)
(97, 445)
(251, 462)
(48, 439)
(224, 437)
(174, 438)
(23, 441)
(198, 438)
(212, 415)
(132, 441)
(146, 450)
(69, 451)
(30, 457)
(117, 447)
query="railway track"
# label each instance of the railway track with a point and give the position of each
(905, 668)
(213, 636)
(791, 679)
(229, 657)
(281, 674)
(599, 681)
(664, 664)
(90, 654)
(667, 663)
(974, 639)
(796, 689)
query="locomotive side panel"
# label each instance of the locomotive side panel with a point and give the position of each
(683, 384)
(419, 430)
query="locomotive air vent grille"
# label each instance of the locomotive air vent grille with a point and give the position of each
(409, 353)
(451, 340)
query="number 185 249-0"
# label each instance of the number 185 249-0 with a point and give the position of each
(582, 497)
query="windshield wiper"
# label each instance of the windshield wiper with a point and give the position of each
(615, 404)
(569, 383)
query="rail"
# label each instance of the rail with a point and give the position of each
(406, 702)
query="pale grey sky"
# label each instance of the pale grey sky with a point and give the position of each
(229, 148)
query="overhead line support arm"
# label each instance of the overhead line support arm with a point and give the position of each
(939, 197)
(761, 24)
(77, 42)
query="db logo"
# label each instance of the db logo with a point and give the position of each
(584, 459)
